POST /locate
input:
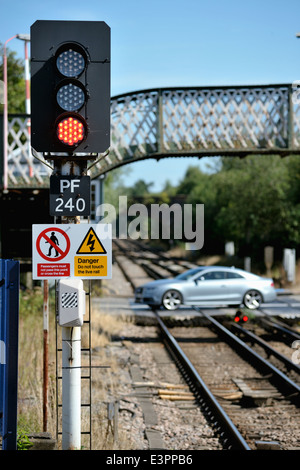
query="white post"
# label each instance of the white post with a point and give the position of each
(27, 106)
(71, 388)
(289, 264)
(46, 353)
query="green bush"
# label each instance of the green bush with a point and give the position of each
(23, 442)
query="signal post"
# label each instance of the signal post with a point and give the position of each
(70, 125)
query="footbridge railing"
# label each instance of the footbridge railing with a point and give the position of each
(177, 122)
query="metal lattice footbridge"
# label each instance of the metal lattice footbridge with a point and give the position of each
(177, 122)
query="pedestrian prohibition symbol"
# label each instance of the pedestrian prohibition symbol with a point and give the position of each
(54, 244)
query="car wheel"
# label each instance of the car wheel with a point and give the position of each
(252, 299)
(172, 299)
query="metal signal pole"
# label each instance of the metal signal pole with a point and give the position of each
(70, 124)
(46, 353)
(71, 355)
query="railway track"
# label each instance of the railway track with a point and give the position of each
(258, 399)
(272, 344)
(147, 264)
(244, 384)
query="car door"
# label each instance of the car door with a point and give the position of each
(236, 285)
(210, 287)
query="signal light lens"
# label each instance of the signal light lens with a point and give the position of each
(70, 63)
(71, 131)
(239, 317)
(70, 97)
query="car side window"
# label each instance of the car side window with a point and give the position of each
(214, 276)
(234, 276)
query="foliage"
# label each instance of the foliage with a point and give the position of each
(140, 188)
(30, 378)
(254, 202)
(23, 442)
(256, 207)
(31, 303)
(114, 186)
(16, 81)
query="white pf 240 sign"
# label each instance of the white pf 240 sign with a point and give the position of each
(76, 250)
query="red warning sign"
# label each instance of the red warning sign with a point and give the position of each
(53, 270)
(53, 244)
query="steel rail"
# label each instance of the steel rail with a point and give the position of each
(286, 385)
(284, 330)
(237, 440)
(269, 349)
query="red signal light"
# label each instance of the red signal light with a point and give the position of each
(70, 131)
(240, 317)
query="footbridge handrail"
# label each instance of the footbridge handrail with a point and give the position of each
(179, 122)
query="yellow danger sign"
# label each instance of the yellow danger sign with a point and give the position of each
(91, 245)
(90, 266)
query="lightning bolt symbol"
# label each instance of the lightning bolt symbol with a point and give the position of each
(91, 242)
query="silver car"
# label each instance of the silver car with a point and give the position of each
(208, 286)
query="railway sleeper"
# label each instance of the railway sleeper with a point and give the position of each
(256, 397)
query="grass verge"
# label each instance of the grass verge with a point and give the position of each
(105, 383)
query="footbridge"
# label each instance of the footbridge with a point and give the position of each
(156, 123)
(175, 122)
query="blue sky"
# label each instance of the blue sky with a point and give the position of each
(162, 43)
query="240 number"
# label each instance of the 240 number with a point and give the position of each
(79, 205)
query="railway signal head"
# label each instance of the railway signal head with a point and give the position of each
(70, 87)
(240, 317)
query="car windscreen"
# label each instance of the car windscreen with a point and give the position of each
(188, 274)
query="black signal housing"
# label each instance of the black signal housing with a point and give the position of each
(70, 78)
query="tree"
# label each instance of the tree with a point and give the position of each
(16, 81)
(191, 179)
(254, 204)
(199, 188)
(253, 201)
(114, 185)
(140, 189)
